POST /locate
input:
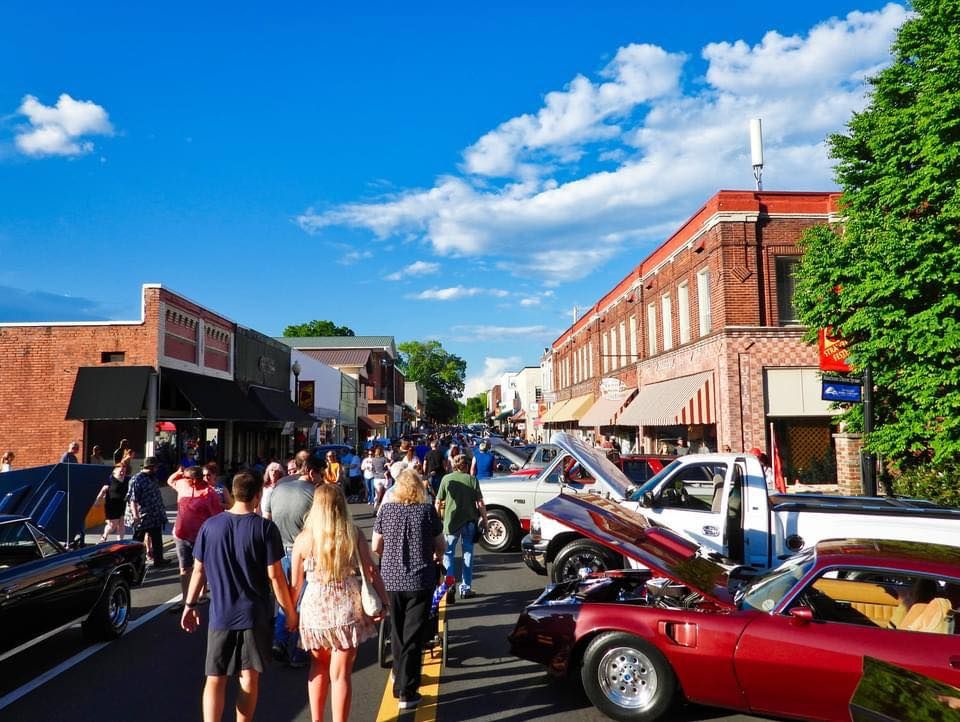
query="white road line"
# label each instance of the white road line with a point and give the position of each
(33, 684)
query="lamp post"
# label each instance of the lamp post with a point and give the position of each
(296, 382)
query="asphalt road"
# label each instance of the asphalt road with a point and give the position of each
(155, 671)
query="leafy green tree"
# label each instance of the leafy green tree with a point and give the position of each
(317, 328)
(475, 409)
(887, 279)
(440, 373)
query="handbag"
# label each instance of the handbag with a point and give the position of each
(372, 604)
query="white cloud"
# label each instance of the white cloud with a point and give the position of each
(493, 368)
(678, 146)
(351, 257)
(531, 301)
(60, 129)
(417, 268)
(485, 332)
(454, 293)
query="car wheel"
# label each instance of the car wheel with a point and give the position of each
(627, 678)
(579, 555)
(500, 534)
(110, 617)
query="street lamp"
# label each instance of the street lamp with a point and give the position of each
(296, 368)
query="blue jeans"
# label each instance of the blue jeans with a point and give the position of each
(465, 536)
(281, 637)
(371, 492)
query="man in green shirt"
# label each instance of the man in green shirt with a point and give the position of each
(460, 504)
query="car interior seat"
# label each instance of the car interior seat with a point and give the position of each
(935, 616)
(717, 494)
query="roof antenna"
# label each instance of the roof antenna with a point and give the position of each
(756, 151)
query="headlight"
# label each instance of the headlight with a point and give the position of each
(535, 527)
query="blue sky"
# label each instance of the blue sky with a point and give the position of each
(467, 174)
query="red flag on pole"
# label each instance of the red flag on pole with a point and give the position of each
(778, 481)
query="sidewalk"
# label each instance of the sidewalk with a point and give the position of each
(94, 531)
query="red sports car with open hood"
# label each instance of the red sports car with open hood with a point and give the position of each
(788, 643)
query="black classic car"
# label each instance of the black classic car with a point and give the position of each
(46, 584)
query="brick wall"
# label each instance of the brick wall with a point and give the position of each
(849, 477)
(38, 367)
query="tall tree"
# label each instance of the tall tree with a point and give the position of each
(317, 328)
(887, 280)
(440, 373)
(475, 409)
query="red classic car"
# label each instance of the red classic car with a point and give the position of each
(789, 643)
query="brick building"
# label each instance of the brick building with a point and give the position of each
(700, 341)
(181, 380)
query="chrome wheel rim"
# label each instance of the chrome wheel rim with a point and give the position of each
(628, 678)
(574, 564)
(496, 532)
(118, 608)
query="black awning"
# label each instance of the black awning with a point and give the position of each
(217, 399)
(109, 392)
(279, 406)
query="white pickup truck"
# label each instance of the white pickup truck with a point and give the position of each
(721, 502)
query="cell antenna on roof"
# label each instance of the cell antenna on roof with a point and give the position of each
(756, 151)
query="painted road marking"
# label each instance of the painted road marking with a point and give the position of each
(429, 682)
(26, 689)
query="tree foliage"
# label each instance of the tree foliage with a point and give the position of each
(317, 328)
(440, 373)
(887, 280)
(475, 409)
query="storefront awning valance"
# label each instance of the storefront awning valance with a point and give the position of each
(212, 398)
(574, 409)
(519, 416)
(368, 422)
(604, 411)
(503, 415)
(109, 392)
(686, 400)
(278, 405)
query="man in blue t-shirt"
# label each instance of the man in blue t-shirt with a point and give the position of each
(238, 556)
(482, 466)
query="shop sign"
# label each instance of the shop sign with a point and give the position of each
(833, 353)
(306, 392)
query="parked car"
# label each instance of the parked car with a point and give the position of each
(786, 643)
(721, 502)
(339, 449)
(510, 500)
(45, 585)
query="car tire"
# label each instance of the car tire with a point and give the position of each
(109, 618)
(627, 678)
(501, 533)
(579, 554)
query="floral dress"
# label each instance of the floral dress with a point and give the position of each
(331, 613)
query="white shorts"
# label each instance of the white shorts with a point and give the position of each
(380, 482)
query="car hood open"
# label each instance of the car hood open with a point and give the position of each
(632, 535)
(508, 452)
(596, 463)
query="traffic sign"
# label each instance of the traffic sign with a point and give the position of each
(850, 393)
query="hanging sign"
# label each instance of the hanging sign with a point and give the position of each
(833, 353)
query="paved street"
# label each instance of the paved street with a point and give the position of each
(155, 671)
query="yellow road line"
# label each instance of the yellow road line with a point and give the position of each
(429, 684)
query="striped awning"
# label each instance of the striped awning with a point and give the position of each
(574, 409)
(686, 400)
(604, 411)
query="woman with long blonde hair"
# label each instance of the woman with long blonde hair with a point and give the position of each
(326, 555)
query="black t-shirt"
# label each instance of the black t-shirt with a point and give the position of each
(434, 462)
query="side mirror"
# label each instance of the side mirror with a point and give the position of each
(646, 501)
(801, 616)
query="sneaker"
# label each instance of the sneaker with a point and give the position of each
(452, 595)
(467, 593)
(410, 701)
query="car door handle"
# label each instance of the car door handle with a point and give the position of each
(955, 662)
(711, 531)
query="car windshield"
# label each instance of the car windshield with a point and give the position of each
(652, 482)
(765, 593)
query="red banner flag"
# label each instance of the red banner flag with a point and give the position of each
(778, 481)
(833, 353)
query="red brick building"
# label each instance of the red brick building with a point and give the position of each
(703, 339)
(181, 379)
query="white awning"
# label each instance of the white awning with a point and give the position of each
(686, 400)
(604, 411)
